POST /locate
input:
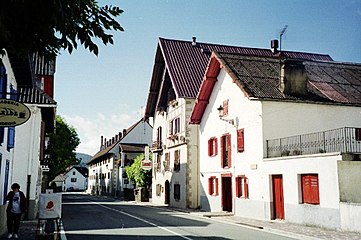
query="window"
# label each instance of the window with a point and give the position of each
(108, 175)
(167, 162)
(212, 146)
(158, 190)
(213, 186)
(176, 160)
(11, 138)
(240, 140)
(158, 162)
(73, 179)
(177, 191)
(241, 187)
(226, 151)
(174, 126)
(73, 172)
(310, 192)
(159, 136)
(225, 108)
(3, 81)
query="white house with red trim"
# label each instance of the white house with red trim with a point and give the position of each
(281, 139)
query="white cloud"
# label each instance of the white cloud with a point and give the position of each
(90, 130)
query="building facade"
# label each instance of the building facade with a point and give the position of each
(287, 142)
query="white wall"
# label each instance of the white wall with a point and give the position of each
(81, 181)
(141, 134)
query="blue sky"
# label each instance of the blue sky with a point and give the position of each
(102, 95)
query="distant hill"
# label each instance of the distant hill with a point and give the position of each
(84, 158)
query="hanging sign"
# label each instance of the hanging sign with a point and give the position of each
(13, 113)
(146, 163)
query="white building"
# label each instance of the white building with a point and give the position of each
(281, 139)
(106, 168)
(178, 71)
(76, 179)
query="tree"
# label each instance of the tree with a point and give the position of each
(62, 148)
(47, 26)
(137, 175)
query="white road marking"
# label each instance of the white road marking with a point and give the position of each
(145, 221)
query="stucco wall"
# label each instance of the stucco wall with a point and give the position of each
(349, 175)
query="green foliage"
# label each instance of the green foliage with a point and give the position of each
(47, 26)
(137, 175)
(62, 148)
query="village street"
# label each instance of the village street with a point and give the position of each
(92, 217)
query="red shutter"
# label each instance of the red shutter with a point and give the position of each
(310, 189)
(229, 150)
(238, 187)
(209, 147)
(215, 146)
(240, 140)
(210, 186)
(222, 151)
(48, 85)
(225, 108)
(216, 186)
(245, 187)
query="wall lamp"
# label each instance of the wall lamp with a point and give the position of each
(221, 114)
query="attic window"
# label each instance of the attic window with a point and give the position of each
(171, 95)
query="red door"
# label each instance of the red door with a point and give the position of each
(227, 194)
(278, 202)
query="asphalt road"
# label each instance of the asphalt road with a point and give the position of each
(98, 218)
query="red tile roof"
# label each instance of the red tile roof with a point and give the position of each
(186, 65)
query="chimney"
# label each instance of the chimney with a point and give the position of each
(274, 46)
(120, 135)
(194, 42)
(101, 141)
(113, 140)
(124, 132)
(293, 80)
(105, 142)
(116, 138)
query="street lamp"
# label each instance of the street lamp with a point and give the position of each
(221, 114)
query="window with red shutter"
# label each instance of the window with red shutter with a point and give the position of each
(240, 140)
(242, 187)
(213, 186)
(310, 189)
(226, 151)
(225, 108)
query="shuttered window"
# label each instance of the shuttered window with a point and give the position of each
(225, 108)
(242, 187)
(176, 160)
(212, 146)
(240, 140)
(310, 189)
(358, 134)
(226, 160)
(177, 191)
(11, 138)
(213, 186)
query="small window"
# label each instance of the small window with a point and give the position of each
(158, 190)
(167, 162)
(213, 186)
(240, 140)
(73, 179)
(176, 161)
(212, 146)
(177, 191)
(226, 151)
(310, 189)
(225, 108)
(73, 172)
(242, 187)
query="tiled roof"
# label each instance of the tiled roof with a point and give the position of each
(186, 65)
(34, 95)
(106, 150)
(259, 77)
(327, 81)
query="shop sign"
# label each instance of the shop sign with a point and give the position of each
(13, 113)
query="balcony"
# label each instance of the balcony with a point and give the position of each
(345, 140)
(156, 146)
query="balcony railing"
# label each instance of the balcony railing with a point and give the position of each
(156, 146)
(345, 140)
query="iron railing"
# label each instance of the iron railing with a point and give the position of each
(345, 140)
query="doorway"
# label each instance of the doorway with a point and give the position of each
(166, 192)
(278, 201)
(227, 193)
